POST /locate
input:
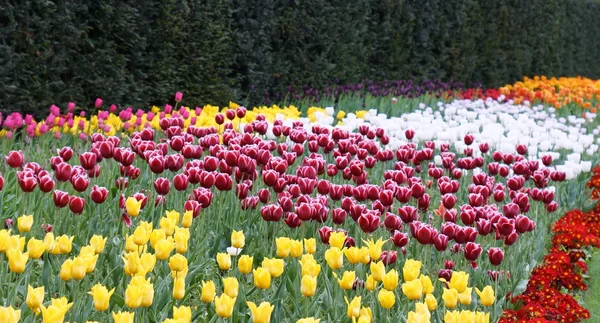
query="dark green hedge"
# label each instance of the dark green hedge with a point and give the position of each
(138, 53)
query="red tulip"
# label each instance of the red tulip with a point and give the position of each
(80, 182)
(61, 199)
(76, 204)
(223, 182)
(271, 212)
(1, 182)
(389, 257)
(449, 200)
(472, 251)
(292, 220)
(440, 242)
(547, 160)
(219, 118)
(46, 184)
(27, 181)
(98, 194)
(324, 234)
(193, 206)
(88, 160)
(162, 186)
(424, 233)
(495, 255)
(511, 238)
(510, 210)
(66, 153)
(408, 214)
(409, 133)
(400, 239)
(157, 164)
(180, 182)
(339, 216)
(521, 149)
(122, 183)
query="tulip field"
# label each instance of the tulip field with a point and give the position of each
(355, 205)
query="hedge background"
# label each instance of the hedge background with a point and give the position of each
(139, 53)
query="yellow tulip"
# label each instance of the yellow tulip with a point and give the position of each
(163, 248)
(423, 311)
(414, 317)
(35, 248)
(245, 264)
(98, 243)
(309, 265)
(224, 305)
(231, 286)
(386, 299)
(123, 317)
(35, 298)
(365, 315)
(353, 254)
(308, 285)
(274, 266)
(55, 313)
(353, 307)
(64, 244)
(335, 258)
(284, 245)
(411, 269)
(101, 297)
(451, 317)
(65, 270)
(182, 314)
(133, 296)
(450, 297)
(78, 268)
(146, 263)
(182, 236)
(9, 315)
(347, 281)
(238, 240)
(4, 235)
(309, 320)
(296, 250)
(15, 243)
(466, 316)
(167, 225)
(371, 283)
(133, 206)
(173, 216)
(310, 245)
(261, 313)
(375, 248)
(377, 270)
(465, 297)
(131, 263)
(431, 302)
(390, 280)
(365, 258)
(141, 236)
(179, 288)
(337, 239)
(17, 260)
(486, 297)
(208, 291)
(178, 262)
(130, 245)
(188, 217)
(146, 288)
(262, 278)
(427, 284)
(481, 317)
(224, 260)
(459, 281)
(155, 236)
(413, 289)
(24, 223)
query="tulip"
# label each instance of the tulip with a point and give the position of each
(35, 298)
(98, 194)
(262, 278)
(431, 302)
(337, 239)
(231, 286)
(450, 297)
(61, 199)
(178, 263)
(465, 297)
(35, 248)
(123, 317)
(224, 305)
(238, 240)
(452, 317)
(208, 291)
(347, 281)
(179, 288)
(56, 311)
(334, 258)
(24, 223)
(495, 256)
(245, 264)
(386, 299)
(15, 159)
(486, 296)
(371, 283)
(182, 236)
(413, 289)
(17, 260)
(65, 270)
(375, 248)
(284, 246)
(133, 206)
(308, 320)
(411, 269)
(310, 245)
(224, 261)
(76, 204)
(9, 315)
(101, 297)
(308, 285)
(353, 307)
(133, 296)
(182, 314)
(261, 313)
(274, 266)
(78, 268)
(309, 266)
(164, 247)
